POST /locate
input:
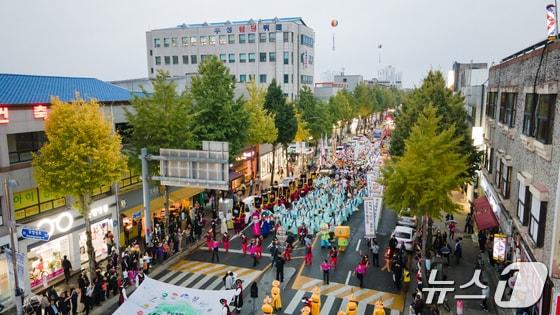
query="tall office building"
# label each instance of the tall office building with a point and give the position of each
(260, 50)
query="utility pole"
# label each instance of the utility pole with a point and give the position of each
(8, 183)
(146, 194)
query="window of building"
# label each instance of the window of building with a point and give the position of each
(251, 77)
(286, 37)
(252, 57)
(538, 116)
(157, 43)
(262, 37)
(194, 41)
(167, 60)
(202, 58)
(203, 40)
(185, 41)
(537, 221)
(158, 60)
(306, 79)
(175, 60)
(491, 103)
(185, 59)
(262, 57)
(231, 58)
(173, 41)
(194, 59)
(286, 57)
(286, 78)
(223, 58)
(166, 42)
(498, 175)
(151, 53)
(272, 56)
(223, 40)
(231, 39)
(251, 37)
(507, 109)
(490, 160)
(262, 78)
(212, 39)
(242, 58)
(272, 37)
(22, 145)
(152, 70)
(506, 182)
(306, 40)
(523, 203)
(242, 38)
(242, 78)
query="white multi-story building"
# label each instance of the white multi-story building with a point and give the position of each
(260, 50)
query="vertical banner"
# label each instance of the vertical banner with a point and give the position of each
(499, 249)
(551, 21)
(372, 212)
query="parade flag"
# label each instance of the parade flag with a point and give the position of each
(551, 21)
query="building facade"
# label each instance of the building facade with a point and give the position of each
(521, 165)
(470, 80)
(25, 102)
(260, 50)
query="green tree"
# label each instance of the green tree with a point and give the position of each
(342, 107)
(261, 128)
(218, 116)
(302, 133)
(161, 119)
(449, 106)
(314, 113)
(431, 167)
(284, 118)
(82, 154)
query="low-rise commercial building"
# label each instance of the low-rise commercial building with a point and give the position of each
(521, 169)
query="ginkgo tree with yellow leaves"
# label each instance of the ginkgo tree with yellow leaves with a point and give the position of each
(82, 153)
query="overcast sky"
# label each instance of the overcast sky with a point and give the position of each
(106, 38)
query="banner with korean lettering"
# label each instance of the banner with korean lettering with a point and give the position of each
(551, 23)
(372, 213)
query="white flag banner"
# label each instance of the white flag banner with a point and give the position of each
(372, 213)
(156, 297)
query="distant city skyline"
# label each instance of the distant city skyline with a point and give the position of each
(106, 39)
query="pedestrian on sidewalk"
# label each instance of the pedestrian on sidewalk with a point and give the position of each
(486, 293)
(458, 250)
(326, 268)
(67, 266)
(482, 240)
(215, 251)
(253, 252)
(469, 224)
(280, 268)
(397, 275)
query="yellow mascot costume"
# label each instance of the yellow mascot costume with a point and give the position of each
(379, 308)
(267, 308)
(352, 306)
(275, 292)
(316, 301)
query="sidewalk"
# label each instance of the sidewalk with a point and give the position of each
(463, 272)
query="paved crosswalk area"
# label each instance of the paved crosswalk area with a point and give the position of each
(334, 297)
(203, 275)
(330, 304)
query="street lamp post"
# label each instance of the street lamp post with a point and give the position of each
(11, 183)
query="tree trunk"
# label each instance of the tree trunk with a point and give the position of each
(287, 160)
(85, 204)
(273, 165)
(166, 194)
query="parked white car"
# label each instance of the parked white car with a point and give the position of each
(405, 235)
(407, 221)
(250, 202)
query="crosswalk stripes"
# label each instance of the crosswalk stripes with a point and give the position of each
(200, 283)
(325, 309)
(295, 302)
(342, 291)
(189, 280)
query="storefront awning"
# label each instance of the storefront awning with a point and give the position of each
(234, 176)
(483, 214)
(174, 196)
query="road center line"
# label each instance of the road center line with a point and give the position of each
(359, 242)
(348, 277)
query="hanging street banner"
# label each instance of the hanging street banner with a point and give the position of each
(372, 213)
(551, 22)
(154, 297)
